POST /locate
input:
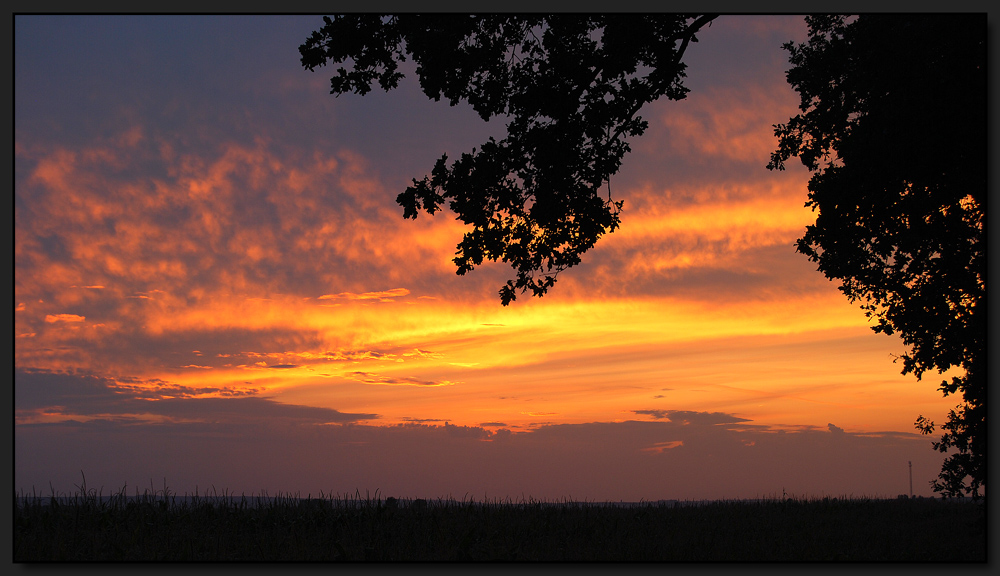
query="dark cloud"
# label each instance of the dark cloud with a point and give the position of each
(658, 414)
(72, 394)
(381, 296)
(86, 394)
(369, 378)
(249, 409)
(629, 460)
(467, 431)
(688, 417)
(353, 355)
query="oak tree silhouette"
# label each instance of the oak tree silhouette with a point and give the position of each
(571, 87)
(893, 126)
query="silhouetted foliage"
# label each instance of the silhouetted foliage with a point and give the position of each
(570, 87)
(893, 125)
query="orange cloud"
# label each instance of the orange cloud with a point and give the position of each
(724, 123)
(229, 250)
(52, 318)
(369, 378)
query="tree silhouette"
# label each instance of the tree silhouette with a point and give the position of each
(571, 87)
(893, 125)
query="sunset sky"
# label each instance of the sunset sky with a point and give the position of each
(214, 286)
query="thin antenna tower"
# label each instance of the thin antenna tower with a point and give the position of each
(910, 462)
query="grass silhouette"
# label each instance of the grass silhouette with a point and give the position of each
(158, 525)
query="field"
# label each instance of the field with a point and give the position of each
(160, 526)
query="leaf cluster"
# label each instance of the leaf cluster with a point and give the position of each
(893, 126)
(569, 87)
